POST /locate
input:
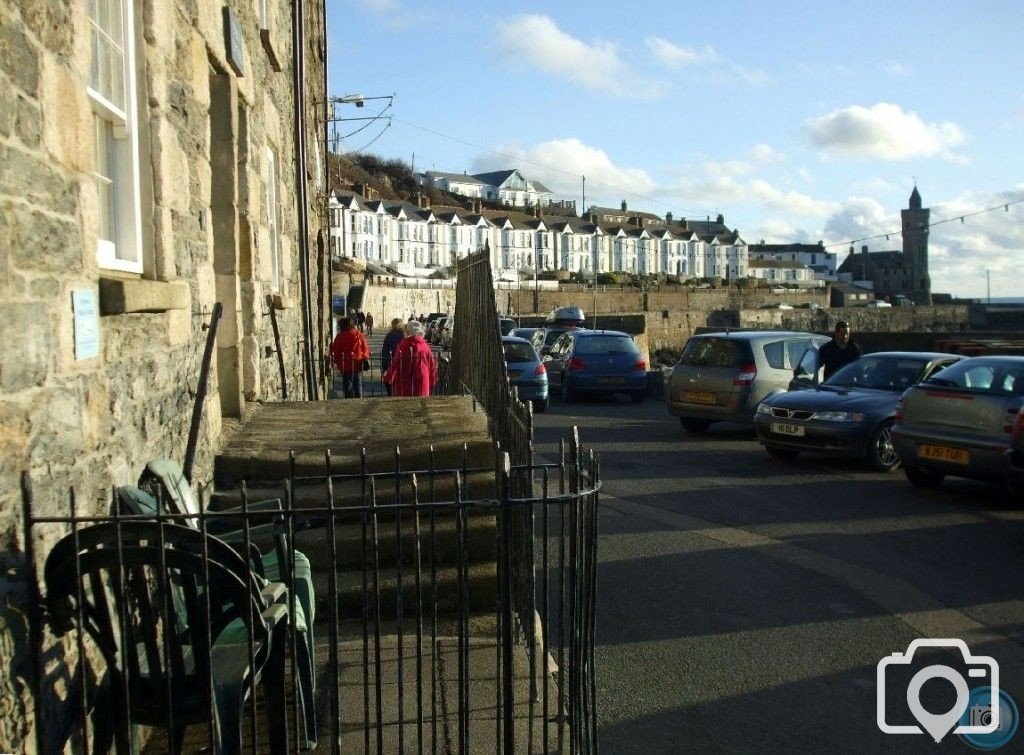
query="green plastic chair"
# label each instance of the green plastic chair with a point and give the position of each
(172, 612)
(164, 480)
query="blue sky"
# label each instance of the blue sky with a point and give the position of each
(796, 122)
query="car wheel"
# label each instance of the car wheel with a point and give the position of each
(782, 454)
(540, 405)
(922, 478)
(567, 395)
(637, 398)
(881, 454)
(694, 425)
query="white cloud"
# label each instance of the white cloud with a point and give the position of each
(672, 55)
(677, 57)
(960, 253)
(535, 41)
(883, 131)
(895, 68)
(857, 218)
(573, 159)
(765, 153)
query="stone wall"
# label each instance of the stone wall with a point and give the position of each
(93, 423)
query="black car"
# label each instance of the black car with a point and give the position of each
(851, 413)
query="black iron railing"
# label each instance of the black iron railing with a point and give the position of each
(454, 610)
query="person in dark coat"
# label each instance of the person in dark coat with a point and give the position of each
(391, 341)
(840, 351)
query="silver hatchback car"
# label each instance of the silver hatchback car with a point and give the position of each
(722, 377)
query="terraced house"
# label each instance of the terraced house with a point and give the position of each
(414, 239)
(159, 158)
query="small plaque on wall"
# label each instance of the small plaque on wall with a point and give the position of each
(234, 42)
(87, 323)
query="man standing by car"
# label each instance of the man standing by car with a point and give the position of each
(840, 351)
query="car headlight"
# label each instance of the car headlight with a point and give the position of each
(840, 416)
(763, 409)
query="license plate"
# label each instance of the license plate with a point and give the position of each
(700, 397)
(944, 453)
(784, 428)
(611, 380)
(512, 374)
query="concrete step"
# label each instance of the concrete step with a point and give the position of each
(355, 494)
(259, 449)
(441, 543)
(481, 583)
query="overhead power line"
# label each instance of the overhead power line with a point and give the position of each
(553, 168)
(1005, 206)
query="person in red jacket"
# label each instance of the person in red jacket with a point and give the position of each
(348, 351)
(413, 370)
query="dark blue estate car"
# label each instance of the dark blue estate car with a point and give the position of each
(597, 362)
(851, 413)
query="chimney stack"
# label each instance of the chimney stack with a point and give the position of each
(536, 211)
(623, 205)
(864, 249)
(668, 218)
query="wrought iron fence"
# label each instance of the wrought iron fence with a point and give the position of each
(494, 652)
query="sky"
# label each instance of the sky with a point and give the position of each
(797, 122)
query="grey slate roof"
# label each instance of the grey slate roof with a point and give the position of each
(494, 178)
(458, 177)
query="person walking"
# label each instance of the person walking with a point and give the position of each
(413, 370)
(391, 341)
(350, 352)
(360, 319)
(369, 324)
(840, 351)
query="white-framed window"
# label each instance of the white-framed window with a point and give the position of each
(270, 205)
(111, 92)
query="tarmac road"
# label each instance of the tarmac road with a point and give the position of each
(743, 603)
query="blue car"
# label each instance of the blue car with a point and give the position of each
(851, 413)
(597, 362)
(526, 373)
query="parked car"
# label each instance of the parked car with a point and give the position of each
(526, 372)
(851, 413)
(722, 377)
(597, 362)
(544, 338)
(506, 325)
(526, 333)
(960, 421)
(878, 303)
(1015, 459)
(445, 332)
(434, 329)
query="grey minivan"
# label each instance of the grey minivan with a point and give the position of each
(722, 377)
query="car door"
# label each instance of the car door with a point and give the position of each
(806, 373)
(556, 357)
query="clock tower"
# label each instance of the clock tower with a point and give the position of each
(915, 248)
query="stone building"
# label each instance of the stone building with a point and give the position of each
(896, 273)
(158, 157)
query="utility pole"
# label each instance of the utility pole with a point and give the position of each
(583, 209)
(988, 285)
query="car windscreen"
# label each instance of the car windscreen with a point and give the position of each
(983, 376)
(551, 336)
(519, 352)
(605, 345)
(716, 352)
(882, 373)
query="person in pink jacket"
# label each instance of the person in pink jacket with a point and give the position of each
(413, 370)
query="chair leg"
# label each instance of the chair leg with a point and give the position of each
(274, 690)
(304, 665)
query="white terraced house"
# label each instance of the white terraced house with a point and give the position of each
(414, 239)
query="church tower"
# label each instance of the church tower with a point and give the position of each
(915, 248)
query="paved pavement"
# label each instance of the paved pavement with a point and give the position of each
(744, 603)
